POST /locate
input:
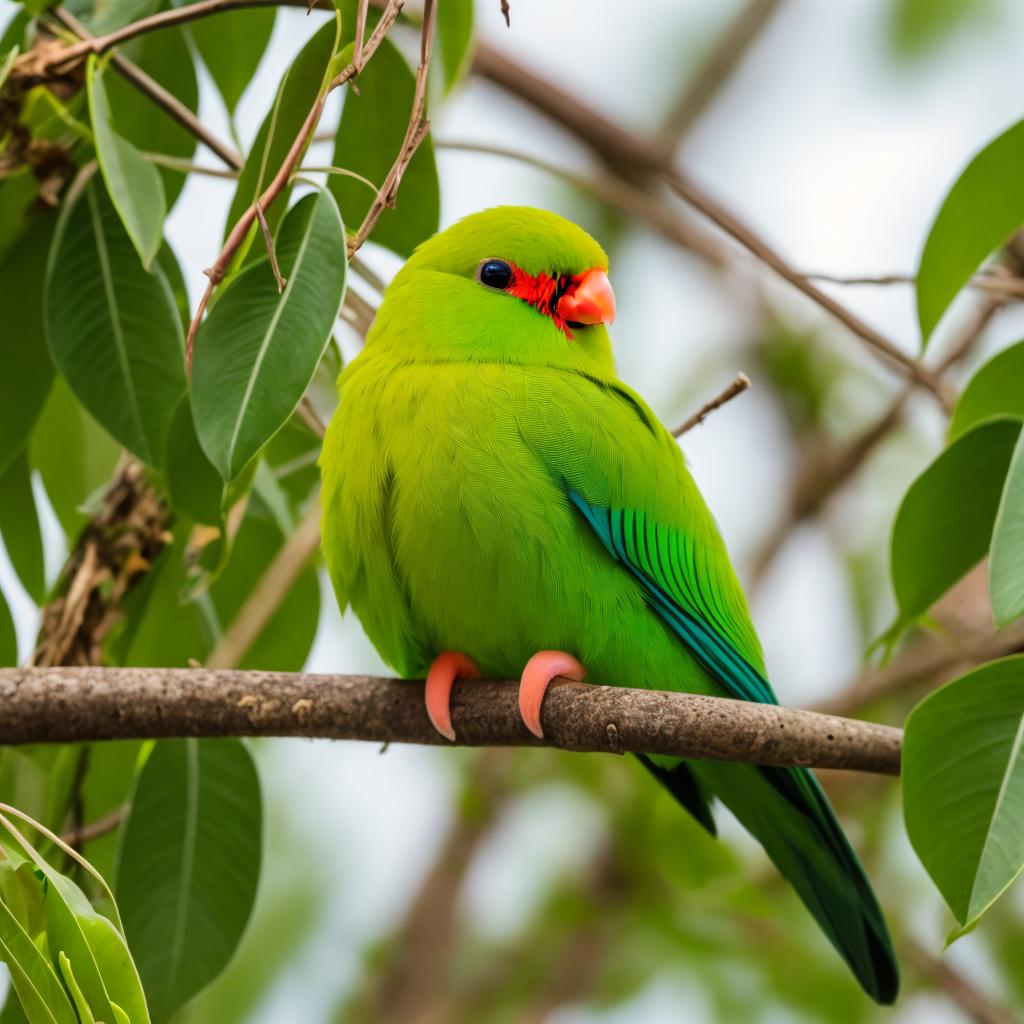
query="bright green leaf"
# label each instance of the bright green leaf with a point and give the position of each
(917, 27)
(27, 368)
(297, 93)
(963, 785)
(113, 328)
(8, 637)
(944, 524)
(370, 135)
(232, 45)
(37, 986)
(1006, 562)
(257, 350)
(133, 183)
(995, 390)
(19, 526)
(85, 1014)
(189, 864)
(454, 35)
(7, 62)
(982, 210)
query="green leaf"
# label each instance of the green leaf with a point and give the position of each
(454, 35)
(74, 456)
(81, 1003)
(919, 26)
(193, 482)
(38, 988)
(945, 522)
(1006, 562)
(113, 327)
(166, 57)
(8, 637)
(995, 390)
(963, 786)
(27, 368)
(189, 864)
(370, 135)
(232, 46)
(107, 15)
(7, 62)
(19, 525)
(257, 350)
(133, 183)
(298, 92)
(982, 210)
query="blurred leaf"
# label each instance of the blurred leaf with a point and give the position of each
(8, 637)
(113, 328)
(42, 997)
(257, 350)
(15, 31)
(166, 57)
(19, 526)
(27, 367)
(291, 456)
(232, 46)
(107, 15)
(188, 865)
(963, 786)
(454, 35)
(168, 263)
(916, 26)
(981, 211)
(16, 204)
(944, 524)
(37, 779)
(995, 390)
(195, 486)
(298, 91)
(1006, 562)
(133, 183)
(7, 62)
(109, 776)
(73, 455)
(370, 135)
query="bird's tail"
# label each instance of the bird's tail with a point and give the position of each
(789, 814)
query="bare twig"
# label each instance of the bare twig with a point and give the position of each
(81, 704)
(238, 233)
(506, 13)
(737, 387)
(990, 281)
(415, 133)
(78, 837)
(268, 241)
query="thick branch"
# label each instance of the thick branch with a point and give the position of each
(72, 705)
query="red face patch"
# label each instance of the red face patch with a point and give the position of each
(542, 292)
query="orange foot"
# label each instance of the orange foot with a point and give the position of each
(446, 668)
(540, 670)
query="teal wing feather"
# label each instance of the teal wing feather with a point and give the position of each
(785, 808)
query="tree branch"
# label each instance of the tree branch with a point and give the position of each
(70, 705)
(737, 387)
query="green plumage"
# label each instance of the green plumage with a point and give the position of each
(491, 487)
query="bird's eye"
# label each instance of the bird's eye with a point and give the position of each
(494, 274)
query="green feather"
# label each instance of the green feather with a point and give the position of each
(493, 488)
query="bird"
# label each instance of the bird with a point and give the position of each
(497, 503)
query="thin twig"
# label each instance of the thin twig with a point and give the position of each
(268, 241)
(737, 387)
(156, 92)
(506, 13)
(78, 837)
(357, 53)
(69, 705)
(415, 133)
(994, 282)
(238, 233)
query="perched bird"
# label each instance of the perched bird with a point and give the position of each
(497, 503)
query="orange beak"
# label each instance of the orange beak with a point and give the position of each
(588, 300)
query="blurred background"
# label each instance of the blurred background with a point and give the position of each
(435, 885)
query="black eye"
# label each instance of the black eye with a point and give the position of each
(495, 274)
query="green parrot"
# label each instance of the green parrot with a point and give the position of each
(497, 503)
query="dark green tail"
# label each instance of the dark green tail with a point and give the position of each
(786, 810)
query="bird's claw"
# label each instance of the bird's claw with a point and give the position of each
(540, 670)
(444, 670)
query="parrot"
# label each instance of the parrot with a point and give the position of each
(497, 503)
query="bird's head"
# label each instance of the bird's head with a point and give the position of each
(511, 284)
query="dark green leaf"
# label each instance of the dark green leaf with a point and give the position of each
(232, 45)
(168, 263)
(8, 637)
(297, 93)
(27, 368)
(454, 35)
(113, 327)
(1006, 562)
(995, 390)
(963, 786)
(945, 523)
(133, 183)
(195, 486)
(373, 124)
(982, 210)
(19, 525)
(188, 865)
(74, 456)
(257, 350)
(108, 15)
(166, 57)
